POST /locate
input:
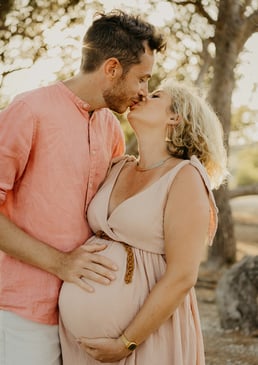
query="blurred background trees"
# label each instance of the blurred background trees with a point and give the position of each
(40, 41)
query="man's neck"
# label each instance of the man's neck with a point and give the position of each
(86, 87)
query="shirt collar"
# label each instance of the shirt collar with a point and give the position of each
(81, 104)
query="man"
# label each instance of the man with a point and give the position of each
(56, 144)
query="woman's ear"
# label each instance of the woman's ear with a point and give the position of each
(112, 68)
(174, 119)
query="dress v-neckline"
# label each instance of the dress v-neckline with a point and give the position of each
(139, 192)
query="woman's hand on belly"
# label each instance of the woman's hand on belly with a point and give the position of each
(104, 349)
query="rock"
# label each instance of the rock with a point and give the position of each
(237, 296)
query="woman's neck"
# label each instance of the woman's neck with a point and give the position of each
(152, 156)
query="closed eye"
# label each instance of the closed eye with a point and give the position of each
(155, 95)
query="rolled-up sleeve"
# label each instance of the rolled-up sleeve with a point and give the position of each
(17, 129)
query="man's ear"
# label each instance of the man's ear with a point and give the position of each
(112, 68)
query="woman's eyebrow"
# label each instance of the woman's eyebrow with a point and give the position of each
(159, 91)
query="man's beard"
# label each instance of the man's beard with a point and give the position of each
(116, 98)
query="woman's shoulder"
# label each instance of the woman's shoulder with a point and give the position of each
(119, 161)
(188, 176)
(192, 170)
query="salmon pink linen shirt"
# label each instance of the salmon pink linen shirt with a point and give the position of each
(53, 157)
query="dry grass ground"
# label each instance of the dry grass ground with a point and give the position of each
(222, 347)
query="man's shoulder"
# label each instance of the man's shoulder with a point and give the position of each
(37, 93)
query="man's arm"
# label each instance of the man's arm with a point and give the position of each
(75, 266)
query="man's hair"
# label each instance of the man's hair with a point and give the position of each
(118, 35)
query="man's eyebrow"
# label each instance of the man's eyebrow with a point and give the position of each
(146, 77)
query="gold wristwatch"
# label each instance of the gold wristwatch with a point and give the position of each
(130, 345)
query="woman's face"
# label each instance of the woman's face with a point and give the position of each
(153, 110)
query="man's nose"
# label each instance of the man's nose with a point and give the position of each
(144, 89)
(143, 98)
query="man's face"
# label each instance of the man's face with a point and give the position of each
(132, 87)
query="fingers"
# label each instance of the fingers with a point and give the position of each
(94, 247)
(97, 273)
(83, 257)
(84, 281)
(104, 349)
(94, 268)
(83, 284)
(101, 261)
(84, 266)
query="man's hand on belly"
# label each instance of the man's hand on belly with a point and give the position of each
(83, 264)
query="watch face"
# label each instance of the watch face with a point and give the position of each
(132, 346)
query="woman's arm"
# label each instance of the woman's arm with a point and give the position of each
(186, 224)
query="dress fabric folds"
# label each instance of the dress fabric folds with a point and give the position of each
(137, 221)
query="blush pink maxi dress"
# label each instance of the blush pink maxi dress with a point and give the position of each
(138, 221)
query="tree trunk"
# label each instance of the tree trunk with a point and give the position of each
(223, 250)
(227, 49)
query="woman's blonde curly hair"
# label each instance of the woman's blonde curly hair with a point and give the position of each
(199, 131)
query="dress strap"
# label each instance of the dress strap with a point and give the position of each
(213, 223)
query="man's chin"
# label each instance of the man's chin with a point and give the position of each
(120, 110)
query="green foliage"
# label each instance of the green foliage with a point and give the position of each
(126, 126)
(243, 117)
(34, 31)
(244, 126)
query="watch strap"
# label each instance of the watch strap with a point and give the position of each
(130, 345)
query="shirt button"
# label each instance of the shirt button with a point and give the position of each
(94, 152)
(85, 106)
(90, 185)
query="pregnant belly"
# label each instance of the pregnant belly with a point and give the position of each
(108, 310)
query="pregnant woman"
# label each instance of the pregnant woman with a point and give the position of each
(155, 214)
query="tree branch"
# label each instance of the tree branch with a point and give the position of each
(5, 73)
(252, 21)
(243, 191)
(5, 7)
(199, 8)
(206, 60)
(244, 6)
(248, 28)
